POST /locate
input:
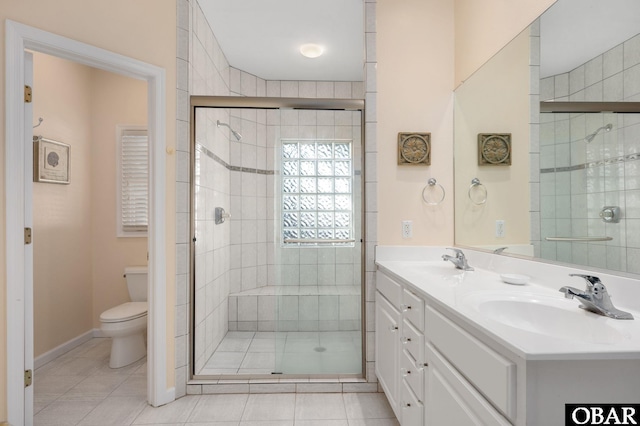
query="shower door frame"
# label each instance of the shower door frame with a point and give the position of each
(240, 102)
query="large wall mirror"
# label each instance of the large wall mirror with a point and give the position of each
(561, 103)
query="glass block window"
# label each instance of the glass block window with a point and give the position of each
(317, 191)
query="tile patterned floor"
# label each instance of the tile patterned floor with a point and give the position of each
(324, 352)
(79, 388)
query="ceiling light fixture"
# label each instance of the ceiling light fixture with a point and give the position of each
(311, 50)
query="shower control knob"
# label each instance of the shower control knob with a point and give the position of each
(610, 214)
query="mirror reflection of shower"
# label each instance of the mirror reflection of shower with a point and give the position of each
(237, 135)
(591, 136)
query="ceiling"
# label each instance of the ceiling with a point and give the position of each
(263, 37)
(574, 31)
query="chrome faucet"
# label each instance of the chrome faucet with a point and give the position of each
(459, 260)
(595, 298)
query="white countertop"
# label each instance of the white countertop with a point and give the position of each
(588, 336)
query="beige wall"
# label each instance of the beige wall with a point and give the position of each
(417, 71)
(62, 213)
(115, 100)
(78, 260)
(143, 29)
(484, 27)
(415, 78)
(494, 100)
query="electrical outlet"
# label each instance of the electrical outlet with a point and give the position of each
(500, 229)
(407, 229)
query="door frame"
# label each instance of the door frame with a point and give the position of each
(19, 297)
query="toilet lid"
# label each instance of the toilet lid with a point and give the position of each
(126, 311)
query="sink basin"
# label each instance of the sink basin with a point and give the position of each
(550, 316)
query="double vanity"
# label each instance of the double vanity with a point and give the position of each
(463, 347)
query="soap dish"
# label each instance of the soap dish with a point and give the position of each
(515, 279)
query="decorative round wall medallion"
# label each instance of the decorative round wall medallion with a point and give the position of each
(494, 149)
(414, 148)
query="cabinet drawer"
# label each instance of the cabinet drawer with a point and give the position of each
(413, 309)
(389, 289)
(412, 341)
(412, 408)
(452, 400)
(492, 374)
(413, 373)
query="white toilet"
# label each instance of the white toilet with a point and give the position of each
(126, 324)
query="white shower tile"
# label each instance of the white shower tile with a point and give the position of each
(631, 82)
(308, 89)
(343, 90)
(561, 85)
(259, 360)
(547, 89)
(576, 79)
(289, 89)
(326, 274)
(273, 90)
(612, 88)
(287, 308)
(593, 71)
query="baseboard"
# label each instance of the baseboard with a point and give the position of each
(65, 347)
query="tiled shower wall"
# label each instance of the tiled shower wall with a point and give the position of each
(577, 178)
(320, 286)
(202, 69)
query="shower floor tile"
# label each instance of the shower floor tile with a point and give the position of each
(310, 352)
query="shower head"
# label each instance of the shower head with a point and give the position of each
(592, 136)
(237, 135)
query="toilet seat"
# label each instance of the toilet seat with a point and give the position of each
(125, 312)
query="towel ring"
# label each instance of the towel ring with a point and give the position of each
(431, 183)
(475, 182)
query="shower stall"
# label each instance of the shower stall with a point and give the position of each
(277, 269)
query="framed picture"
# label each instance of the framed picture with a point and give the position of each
(50, 161)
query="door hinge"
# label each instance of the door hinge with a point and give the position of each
(27, 94)
(27, 235)
(28, 378)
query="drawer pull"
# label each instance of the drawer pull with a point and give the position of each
(407, 405)
(421, 365)
(405, 340)
(405, 372)
(405, 308)
(393, 328)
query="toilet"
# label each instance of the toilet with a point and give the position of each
(126, 324)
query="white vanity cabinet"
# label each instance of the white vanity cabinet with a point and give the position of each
(425, 363)
(442, 361)
(468, 382)
(400, 364)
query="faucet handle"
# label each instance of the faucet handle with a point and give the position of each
(456, 250)
(591, 280)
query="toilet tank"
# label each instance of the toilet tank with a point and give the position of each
(136, 282)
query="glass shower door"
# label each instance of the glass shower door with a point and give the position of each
(318, 272)
(277, 237)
